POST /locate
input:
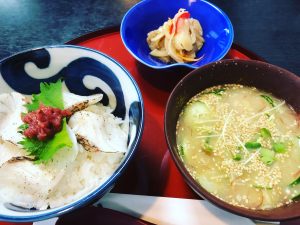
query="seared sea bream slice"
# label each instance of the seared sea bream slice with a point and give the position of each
(11, 108)
(27, 184)
(9, 150)
(97, 129)
(33, 183)
(75, 103)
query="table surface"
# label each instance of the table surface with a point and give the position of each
(270, 28)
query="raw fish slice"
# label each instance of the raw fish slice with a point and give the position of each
(9, 150)
(11, 108)
(98, 132)
(76, 103)
(35, 181)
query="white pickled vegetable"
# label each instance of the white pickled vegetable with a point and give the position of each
(177, 40)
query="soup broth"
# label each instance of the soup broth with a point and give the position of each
(242, 145)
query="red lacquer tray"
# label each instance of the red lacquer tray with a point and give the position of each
(152, 171)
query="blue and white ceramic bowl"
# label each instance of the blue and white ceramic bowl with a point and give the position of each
(85, 72)
(148, 15)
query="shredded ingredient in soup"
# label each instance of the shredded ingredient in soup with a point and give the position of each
(177, 40)
(242, 145)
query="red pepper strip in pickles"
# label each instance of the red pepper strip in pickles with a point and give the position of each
(184, 15)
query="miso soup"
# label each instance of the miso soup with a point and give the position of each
(242, 145)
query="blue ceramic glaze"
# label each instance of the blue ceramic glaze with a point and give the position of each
(84, 72)
(150, 14)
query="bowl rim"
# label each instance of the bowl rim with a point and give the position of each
(220, 56)
(194, 185)
(99, 191)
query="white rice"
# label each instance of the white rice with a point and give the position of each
(75, 172)
(89, 170)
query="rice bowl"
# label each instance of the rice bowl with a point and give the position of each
(85, 72)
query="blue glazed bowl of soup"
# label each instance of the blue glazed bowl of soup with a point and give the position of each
(83, 72)
(275, 81)
(148, 15)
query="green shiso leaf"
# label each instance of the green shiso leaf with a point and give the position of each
(50, 95)
(43, 151)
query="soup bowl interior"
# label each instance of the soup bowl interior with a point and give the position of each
(84, 72)
(266, 77)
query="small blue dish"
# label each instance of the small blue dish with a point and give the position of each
(148, 15)
(84, 72)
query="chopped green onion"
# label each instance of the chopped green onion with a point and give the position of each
(268, 99)
(296, 197)
(267, 156)
(279, 147)
(252, 145)
(262, 187)
(237, 157)
(181, 151)
(265, 133)
(218, 91)
(295, 182)
(207, 147)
